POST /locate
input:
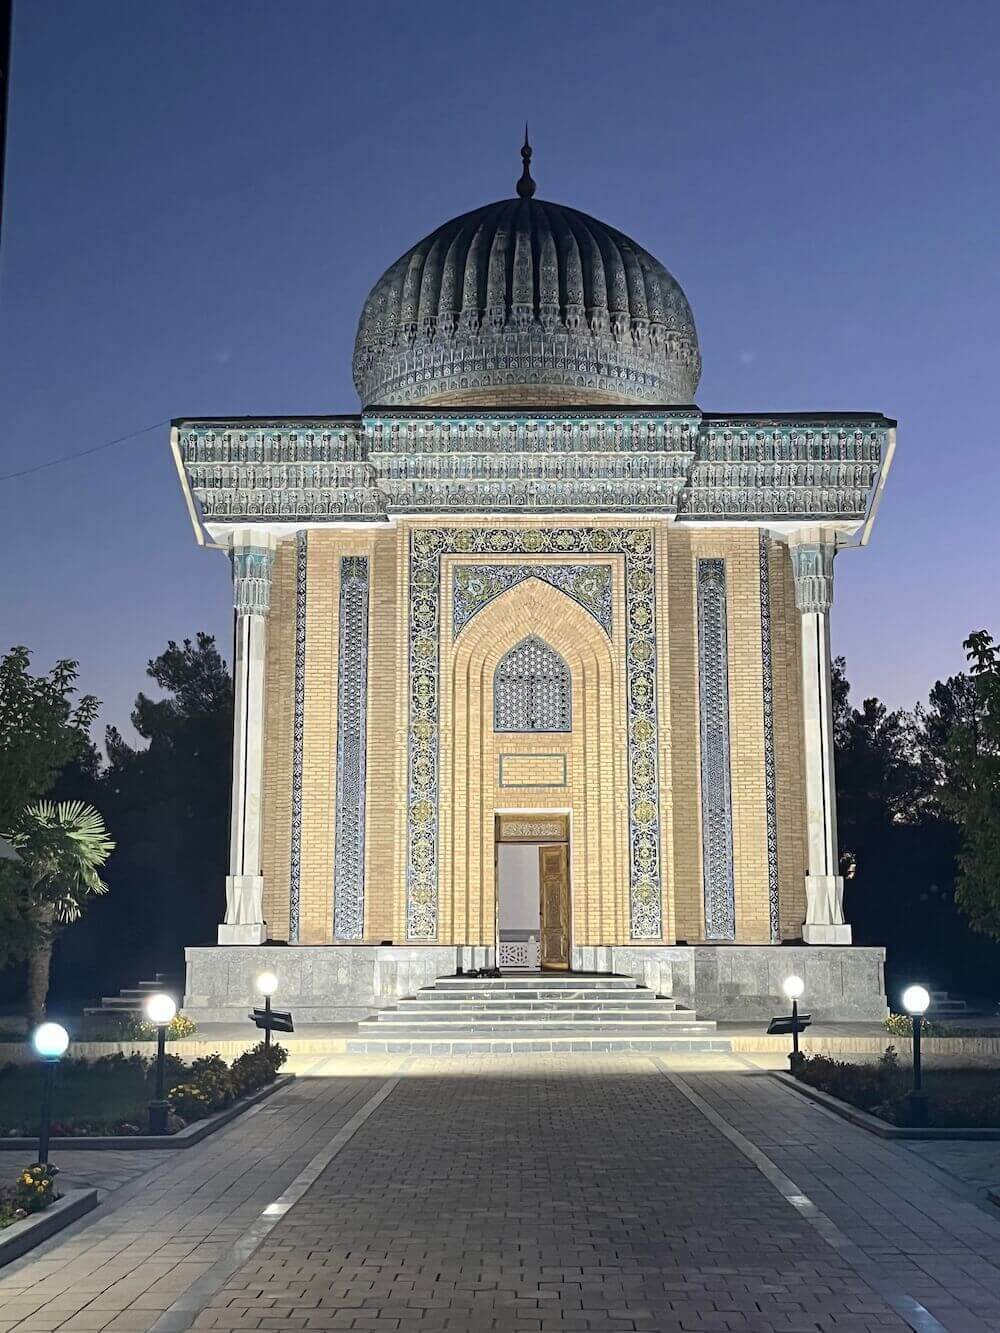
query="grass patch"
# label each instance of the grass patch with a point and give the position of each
(111, 1095)
(957, 1098)
(94, 1095)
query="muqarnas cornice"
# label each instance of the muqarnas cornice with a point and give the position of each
(679, 462)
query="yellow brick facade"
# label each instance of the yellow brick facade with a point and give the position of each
(586, 769)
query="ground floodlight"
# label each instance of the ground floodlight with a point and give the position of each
(916, 999)
(50, 1040)
(160, 1009)
(267, 983)
(793, 987)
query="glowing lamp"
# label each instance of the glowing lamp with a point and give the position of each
(160, 1009)
(50, 1040)
(916, 1000)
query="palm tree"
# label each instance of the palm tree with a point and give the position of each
(62, 847)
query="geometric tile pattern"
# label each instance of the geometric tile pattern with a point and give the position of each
(716, 795)
(532, 689)
(352, 710)
(770, 790)
(475, 586)
(298, 735)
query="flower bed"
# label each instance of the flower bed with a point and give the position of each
(32, 1192)
(957, 1098)
(110, 1095)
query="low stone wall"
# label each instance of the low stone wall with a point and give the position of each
(742, 982)
(319, 984)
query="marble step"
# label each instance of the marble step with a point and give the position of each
(550, 980)
(534, 992)
(416, 1031)
(526, 997)
(418, 1005)
(561, 1017)
(554, 1043)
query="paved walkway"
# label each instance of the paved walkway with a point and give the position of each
(522, 1193)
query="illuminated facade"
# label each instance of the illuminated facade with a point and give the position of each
(531, 596)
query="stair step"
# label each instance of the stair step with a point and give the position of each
(554, 981)
(561, 1018)
(641, 1000)
(459, 1031)
(446, 1044)
(552, 996)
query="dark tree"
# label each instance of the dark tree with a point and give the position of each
(972, 788)
(168, 804)
(899, 842)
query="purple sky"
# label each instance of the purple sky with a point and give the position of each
(200, 195)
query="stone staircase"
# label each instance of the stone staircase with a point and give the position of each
(540, 1011)
(131, 999)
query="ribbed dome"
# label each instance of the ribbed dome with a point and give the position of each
(526, 302)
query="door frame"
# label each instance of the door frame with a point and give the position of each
(556, 829)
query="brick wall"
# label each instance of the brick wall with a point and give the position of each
(596, 788)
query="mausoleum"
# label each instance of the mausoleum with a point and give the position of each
(532, 653)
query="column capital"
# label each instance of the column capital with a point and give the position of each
(812, 567)
(252, 556)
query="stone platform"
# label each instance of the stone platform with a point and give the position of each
(347, 982)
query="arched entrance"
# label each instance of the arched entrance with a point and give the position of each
(575, 770)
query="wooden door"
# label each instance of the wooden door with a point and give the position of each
(553, 880)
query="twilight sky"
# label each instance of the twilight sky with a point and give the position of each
(200, 195)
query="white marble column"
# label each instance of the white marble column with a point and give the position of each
(252, 557)
(812, 553)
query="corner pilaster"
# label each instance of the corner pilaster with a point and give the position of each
(812, 553)
(252, 557)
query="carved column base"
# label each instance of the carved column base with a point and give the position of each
(249, 934)
(244, 923)
(825, 911)
(826, 934)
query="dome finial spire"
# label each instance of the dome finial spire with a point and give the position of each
(526, 186)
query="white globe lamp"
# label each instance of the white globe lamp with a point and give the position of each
(793, 987)
(50, 1040)
(916, 999)
(267, 984)
(160, 1009)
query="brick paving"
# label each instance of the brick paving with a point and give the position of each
(161, 1226)
(568, 1195)
(521, 1193)
(924, 1227)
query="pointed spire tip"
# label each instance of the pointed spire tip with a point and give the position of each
(526, 186)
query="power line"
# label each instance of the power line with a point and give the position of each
(82, 453)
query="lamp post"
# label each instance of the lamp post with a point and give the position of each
(915, 1001)
(267, 984)
(50, 1041)
(160, 1009)
(793, 988)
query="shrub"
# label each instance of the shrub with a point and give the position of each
(901, 1025)
(256, 1067)
(190, 1101)
(211, 1074)
(863, 1085)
